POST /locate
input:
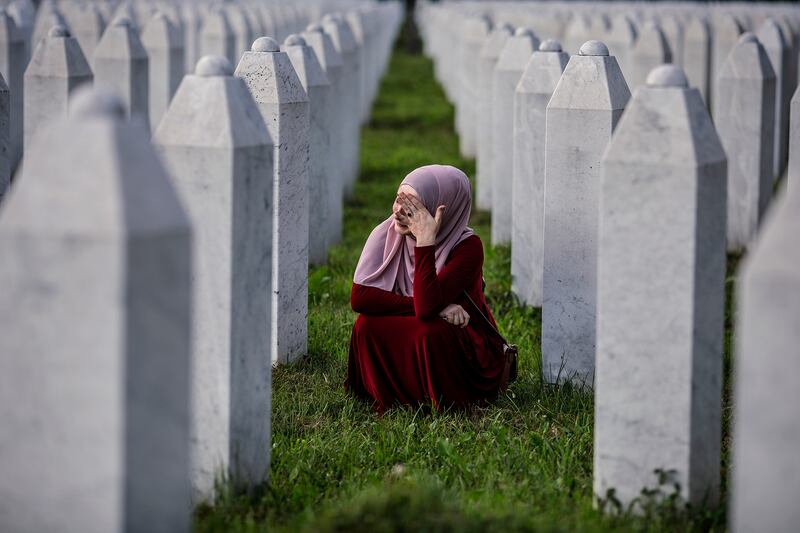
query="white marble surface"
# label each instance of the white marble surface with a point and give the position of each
(283, 104)
(57, 67)
(697, 55)
(487, 59)
(322, 122)
(725, 32)
(532, 94)
(473, 33)
(651, 50)
(794, 141)
(217, 37)
(581, 116)
(507, 72)
(660, 297)
(765, 470)
(745, 117)
(120, 63)
(94, 356)
(770, 36)
(219, 154)
(162, 41)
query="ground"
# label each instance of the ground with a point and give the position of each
(523, 464)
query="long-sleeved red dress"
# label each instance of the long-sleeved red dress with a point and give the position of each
(402, 352)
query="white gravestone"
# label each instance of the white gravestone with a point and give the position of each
(581, 116)
(23, 12)
(651, 50)
(658, 386)
(217, 37)
(794, 141)
(94, 359)
(5, 138)
(697, 55)
(12, 68)
(192, 27)
(346, 45)
(774, 43)
(330, 60)
(621, 40)
(219, 154)
(57, 67)
(725, 32)
(121, 64)
(165, 56)
(745, 111)
(507, 73)
(674, 32)
(766, 422)
(283, 104)
(487, 59)
(241, 25)
(318, 89)
(86, 24)
(474, 32)
(532, 94)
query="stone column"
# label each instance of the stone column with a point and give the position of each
(12, 68)
(578, 31)
(94, 371)
(658, 386)
(57, 67)
(771, 38)
(620, 41)
(346, 45)
(192, 28)
(331, 61)
(745, 111)
(216, 36)
(697, 57)
(725, 32)
(86, 24)
(766, 429)
(318, 89)
(5, 138)
(283, 104)
(487, 59)
(581, 116)
(121, 64)
(530, 105)
(474, 32)
(794, 141)
(219, 154)
(24, 12)
(507, 72)
(651, 50)
(674, 34)
(161, 40)
(242, 28)
(355, 20)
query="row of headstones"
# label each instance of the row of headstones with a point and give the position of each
(147, 287)
(628, 217)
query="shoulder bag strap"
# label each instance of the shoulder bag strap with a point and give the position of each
(485, 319)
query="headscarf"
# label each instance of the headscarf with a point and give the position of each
(387, 261)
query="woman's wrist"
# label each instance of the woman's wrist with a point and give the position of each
(426, 240)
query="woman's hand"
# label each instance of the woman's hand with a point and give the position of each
(455, 314)
(422, 225)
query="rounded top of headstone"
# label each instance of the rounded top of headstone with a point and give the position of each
(550, 45)
(294, 40)
(314, 28)
(523, 32)
(594, 48)
(59, 30)
(210, 66)
(265, 44)
(748, 37)
(667, 76)
(122, 20)
(98, 102)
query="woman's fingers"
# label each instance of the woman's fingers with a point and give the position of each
(466, 319)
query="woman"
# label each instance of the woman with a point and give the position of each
(418, 338)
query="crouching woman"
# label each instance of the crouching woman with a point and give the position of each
(419, 339)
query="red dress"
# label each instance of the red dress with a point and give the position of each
(402, 352)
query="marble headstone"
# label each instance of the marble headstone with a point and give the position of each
(165, 55)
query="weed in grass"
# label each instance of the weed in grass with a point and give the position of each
(522, 464)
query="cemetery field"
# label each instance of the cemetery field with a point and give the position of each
(522, 464)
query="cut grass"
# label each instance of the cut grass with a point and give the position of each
(522, 464)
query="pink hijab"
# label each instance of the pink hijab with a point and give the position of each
(387, 261)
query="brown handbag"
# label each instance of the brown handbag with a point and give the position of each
(509, 350)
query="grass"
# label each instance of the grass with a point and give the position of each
(522, 464)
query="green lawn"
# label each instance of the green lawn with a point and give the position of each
(523, 464)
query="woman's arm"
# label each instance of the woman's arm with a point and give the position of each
(374, 301)
(433, 292)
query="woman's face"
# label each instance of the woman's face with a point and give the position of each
(398, 227)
